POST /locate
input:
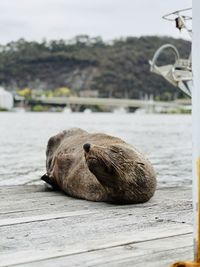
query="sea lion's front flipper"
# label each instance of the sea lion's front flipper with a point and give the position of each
(46, 178)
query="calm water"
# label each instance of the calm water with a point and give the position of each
(165, 139)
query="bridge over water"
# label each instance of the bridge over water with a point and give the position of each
(109, 102)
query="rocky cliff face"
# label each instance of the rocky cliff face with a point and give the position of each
(76, 75)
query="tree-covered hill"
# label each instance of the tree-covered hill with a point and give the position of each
(117, 69)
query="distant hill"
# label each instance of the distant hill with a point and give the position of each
(117, 69)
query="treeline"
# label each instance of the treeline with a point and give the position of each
(116, 69)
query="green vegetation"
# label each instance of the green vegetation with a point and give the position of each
(26, 92)
(62, 91)
(39, 108)
(118, 69)
(180, 111)
(3, 109)
(45, 108)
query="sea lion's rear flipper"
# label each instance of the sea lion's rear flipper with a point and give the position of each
(46, 178)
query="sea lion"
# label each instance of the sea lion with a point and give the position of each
(98, 167)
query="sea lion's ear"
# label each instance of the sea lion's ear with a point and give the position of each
(49, 180)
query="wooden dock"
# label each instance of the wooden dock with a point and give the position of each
(40, 227)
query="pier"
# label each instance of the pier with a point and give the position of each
(110, 102)
(41, 227)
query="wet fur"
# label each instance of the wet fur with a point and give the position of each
(111, 171)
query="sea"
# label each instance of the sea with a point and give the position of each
(164, 139)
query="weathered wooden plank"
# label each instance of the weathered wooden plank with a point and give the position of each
(21, 189)
(33, 204)
(175, 214)
(27, 191)
(153, 253)
(46, 249)
(53, 208)
(29, 222)
(42, 217)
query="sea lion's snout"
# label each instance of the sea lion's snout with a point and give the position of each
(87, 147)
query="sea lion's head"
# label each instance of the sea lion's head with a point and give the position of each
(102, 162)
(119, 168)
(110, 164)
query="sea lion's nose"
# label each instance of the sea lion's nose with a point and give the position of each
(86, 147)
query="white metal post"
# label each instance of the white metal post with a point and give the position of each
(195, 133)
(196, 125)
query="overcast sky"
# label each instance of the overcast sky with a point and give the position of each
(56, 19)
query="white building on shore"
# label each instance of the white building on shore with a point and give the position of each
(6, 99)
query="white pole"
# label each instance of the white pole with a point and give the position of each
(196, 125)
(195, 133)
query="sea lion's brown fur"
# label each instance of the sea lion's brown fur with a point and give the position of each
(108, 170)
